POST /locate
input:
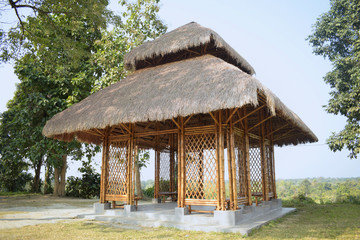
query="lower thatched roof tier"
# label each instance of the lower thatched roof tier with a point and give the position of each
(193, 86)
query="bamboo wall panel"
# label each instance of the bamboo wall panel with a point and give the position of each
(200, 167)
(164, 178)
(117, 169)
(255, 168)
(240, 168)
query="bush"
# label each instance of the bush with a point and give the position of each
(88, 186)
(149, 192)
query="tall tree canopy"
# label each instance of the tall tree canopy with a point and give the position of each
(64, 52)
(336, 36)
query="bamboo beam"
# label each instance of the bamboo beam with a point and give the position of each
(125, 127)
(274, 131)
(284, 134)
(231, 115)
(188, 119)
(259, 123)
(250, 113)
(176, 123)
(214, 118)
(247, 159)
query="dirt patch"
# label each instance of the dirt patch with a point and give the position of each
(22, 211)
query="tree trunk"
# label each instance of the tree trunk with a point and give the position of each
(47, 181)
(60, 178)
(35, 186)
(56, 182)
(138, 180)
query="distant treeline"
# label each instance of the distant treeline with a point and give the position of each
(319, 190)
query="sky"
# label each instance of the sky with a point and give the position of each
(271, 36)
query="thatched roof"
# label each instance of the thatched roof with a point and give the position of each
(192, 86)
(184, 38)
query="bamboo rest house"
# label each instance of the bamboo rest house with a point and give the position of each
(193, 100)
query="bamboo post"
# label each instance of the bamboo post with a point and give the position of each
(172, 160)
(221, 162)
(179, 201)
(157, 165)
(230, 166)
(104, 166)
(183, 176)
(233, 165)
(247, 159)
(130, 194)
(273, 161)
(264, 168)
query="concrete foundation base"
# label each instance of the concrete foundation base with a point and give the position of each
(99, 208)
(169, 215)
(156, 200)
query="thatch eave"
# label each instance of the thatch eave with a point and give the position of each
(193, 86)
(189, 36)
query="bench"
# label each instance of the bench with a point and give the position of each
(136, 199)
(163, 195)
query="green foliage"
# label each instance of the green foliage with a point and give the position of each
(336, 36)
(149, 192)
(319, 190)
(62, 54)
(88, 186)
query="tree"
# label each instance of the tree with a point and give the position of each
(142, 159)
(336, 36)
(64, 57)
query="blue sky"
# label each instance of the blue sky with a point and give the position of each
(271, 36)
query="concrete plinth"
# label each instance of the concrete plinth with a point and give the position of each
(179, 212)
(99, 208)
(227, 218)
(156, 200)
(129, 208)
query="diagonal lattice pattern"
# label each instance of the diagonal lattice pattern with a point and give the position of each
(200, 166)
(117, 168)
(255, 169)
(240, 166)
(164, 171)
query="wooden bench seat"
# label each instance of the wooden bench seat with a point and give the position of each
(163, 195)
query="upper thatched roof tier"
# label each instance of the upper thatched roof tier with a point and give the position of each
(184, 42)
(193, 86)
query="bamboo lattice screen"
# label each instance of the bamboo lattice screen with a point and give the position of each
(240, 168)
(116, 183)
(200, 166)
(255, 168)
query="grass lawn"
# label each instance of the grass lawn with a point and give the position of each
(310, 221)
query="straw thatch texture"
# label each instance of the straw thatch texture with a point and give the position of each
(188, 36)
(196, 85)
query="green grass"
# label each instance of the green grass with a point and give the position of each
(310, 221)
(16, 194)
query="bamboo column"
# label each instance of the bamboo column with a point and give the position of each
(172, 163)
(220, 161)
(247, 159)
(230, 146)
(157, 165)
(182, 166)
(264, 167)
(130, 194)
(233, 165)
(104, 166)
(272, 154)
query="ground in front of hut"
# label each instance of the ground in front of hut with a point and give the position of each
(46, 217)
